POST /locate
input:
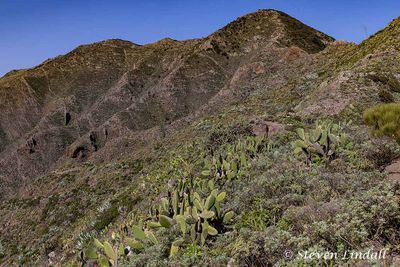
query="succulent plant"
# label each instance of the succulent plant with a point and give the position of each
(108, 253)
(104, 253)
(192, 204)
(196, 217)
(321, 142)
(234, 160)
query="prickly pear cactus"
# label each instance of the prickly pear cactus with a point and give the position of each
(319, 143)
(109, 252)
(234, 160)
(197, 217)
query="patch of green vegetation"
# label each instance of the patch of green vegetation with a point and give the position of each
(256, 219)
(106, 218)
(384, 120)
(193, 250)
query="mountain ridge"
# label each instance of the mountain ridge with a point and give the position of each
(260, 13)
(127, 59)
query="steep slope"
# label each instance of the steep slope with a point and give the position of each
(357, 77)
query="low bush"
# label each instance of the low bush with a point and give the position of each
(384, 120)
(385, 96)
(227, 135)
(387, 79)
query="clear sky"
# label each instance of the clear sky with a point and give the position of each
(33, 30)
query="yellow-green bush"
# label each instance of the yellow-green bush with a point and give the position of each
(384, 120)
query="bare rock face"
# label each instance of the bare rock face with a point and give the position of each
(393, 171)
(79, 106)
(261, 127)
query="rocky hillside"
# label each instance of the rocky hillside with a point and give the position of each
(90, 140)
(85, 103)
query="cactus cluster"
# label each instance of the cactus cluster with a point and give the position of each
(234, 160)
(197, 217)
(320, 143)
(105, 254)
(192, 204)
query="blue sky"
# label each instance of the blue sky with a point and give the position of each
(33, 30)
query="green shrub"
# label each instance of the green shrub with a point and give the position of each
(257, 219)
(193, 250)
(107, 217)
(384, 120)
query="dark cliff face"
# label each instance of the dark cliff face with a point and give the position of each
(82, 105)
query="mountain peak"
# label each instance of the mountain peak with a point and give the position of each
(164, 42)
(263, 12)
(273, 25)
